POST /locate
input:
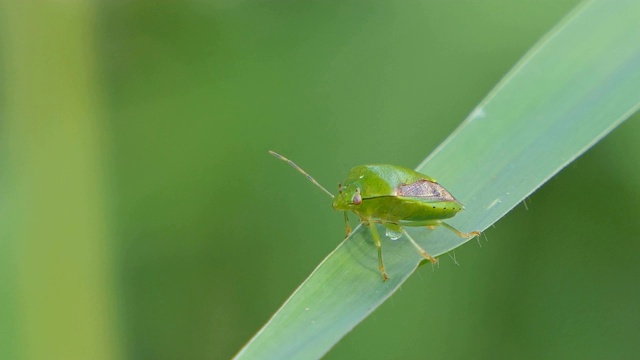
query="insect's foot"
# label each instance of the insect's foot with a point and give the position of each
(385, 277)
(473, 234)
(428, 257)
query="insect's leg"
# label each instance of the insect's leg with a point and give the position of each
(376, 240)
(468, 235)
(347, 227)
(422, 251)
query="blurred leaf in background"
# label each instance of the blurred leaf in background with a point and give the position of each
(58, 294)
(188, 228)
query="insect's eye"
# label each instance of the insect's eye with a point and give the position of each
(357, 198)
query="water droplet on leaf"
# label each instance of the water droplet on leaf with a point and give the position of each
(393, 235)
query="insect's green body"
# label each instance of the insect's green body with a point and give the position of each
(394, 197)
(393, 194)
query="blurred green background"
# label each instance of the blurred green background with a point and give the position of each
(142, 218)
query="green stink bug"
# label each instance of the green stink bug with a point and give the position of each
(394, 197)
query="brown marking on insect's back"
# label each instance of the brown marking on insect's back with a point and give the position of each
(424, 189)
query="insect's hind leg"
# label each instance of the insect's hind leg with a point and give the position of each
(422, 251)
(376, 240)
(468, 235)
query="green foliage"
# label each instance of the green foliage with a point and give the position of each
(141, 217)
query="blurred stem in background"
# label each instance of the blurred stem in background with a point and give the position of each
(56, 291)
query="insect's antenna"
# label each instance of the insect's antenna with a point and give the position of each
(301, 171)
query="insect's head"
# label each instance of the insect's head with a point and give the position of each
(349, 197)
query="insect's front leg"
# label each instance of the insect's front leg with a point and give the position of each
(376, 240)
(347, 226)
